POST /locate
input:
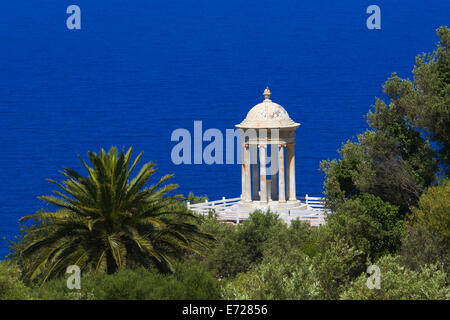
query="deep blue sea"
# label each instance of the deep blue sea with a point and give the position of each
(137, 70)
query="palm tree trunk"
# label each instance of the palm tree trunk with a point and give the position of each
(111, 266)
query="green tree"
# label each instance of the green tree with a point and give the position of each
(396, 165)
(392, 159)
(107, 221)
(429, 109)
(368, 224)
(423, 104)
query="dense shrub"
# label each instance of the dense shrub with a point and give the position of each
(296, 275)
(299, 236)
(336, 267)
(399, 282)
(198, 282)
(11, 287)
(239, 247)
(276, 277)
(190, 281)
(434, 210)
(427, 238)
(368, 224)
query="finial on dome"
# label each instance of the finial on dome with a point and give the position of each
(267, 93)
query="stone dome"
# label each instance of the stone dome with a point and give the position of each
(267, 114)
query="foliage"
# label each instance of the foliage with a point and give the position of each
(427, 238)
(298, 262)
(106, 222)
(427, 106)
(277, 277)
(195, 199)
(399, 283)
(434, 210)
(336, 267)
(299, 236)
(197, 280)
(239, 247)
(11, 287)
(368, 224)
(188, 282)
(296, 275)
(380, 164)
(392, 160)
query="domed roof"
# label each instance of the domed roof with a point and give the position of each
(267, 114)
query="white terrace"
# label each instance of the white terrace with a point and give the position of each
(231, 210)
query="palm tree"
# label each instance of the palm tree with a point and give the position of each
(106, 222)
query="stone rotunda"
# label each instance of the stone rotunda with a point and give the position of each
(268, 171)
(268, 149)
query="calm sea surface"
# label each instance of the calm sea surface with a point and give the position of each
(137, 70)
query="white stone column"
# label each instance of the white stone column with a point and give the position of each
(255, 172)
(290, 153)
(286, 175)
(262, 170)
(248, 181)
(273, 171)
(243, 174)
(281, 183)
